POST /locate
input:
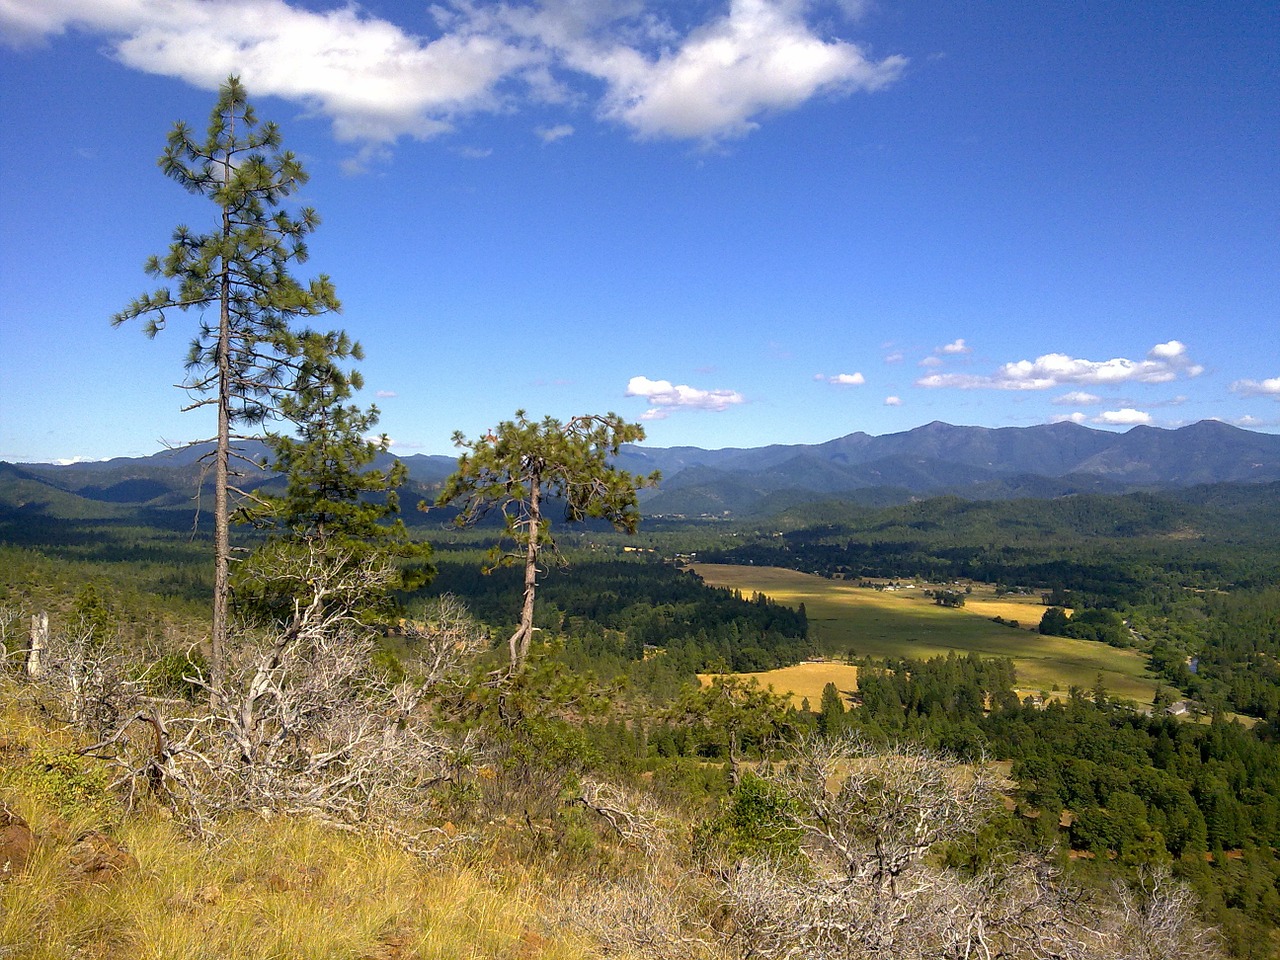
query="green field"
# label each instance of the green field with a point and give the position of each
(871, 623)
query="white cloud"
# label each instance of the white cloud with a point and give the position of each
(1077, 398)
(1257, 388)
(931, 362)
(759, 57)
(1165, 362)
(1168, 351)
(893, 401)
(377, 81)
(386, 394)
(842, 379)
(1076, 417)
(664, 396)
(372, 79)
(475, 153)
(552, 134)
(954, 347)
(895, 357)
(1249, 422)
(1126, 416)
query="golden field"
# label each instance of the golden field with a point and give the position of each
(805, 680)
(845, 618)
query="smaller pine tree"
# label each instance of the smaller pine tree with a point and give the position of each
(831, 712)
(335, 502)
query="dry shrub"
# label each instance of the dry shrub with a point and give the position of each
(872, 885)
(301, 720)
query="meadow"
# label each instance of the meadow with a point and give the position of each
(845, 618)
(804, 681)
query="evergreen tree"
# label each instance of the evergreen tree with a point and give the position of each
(335, 502)
(831, 712)
(238, 272)
(517, 467)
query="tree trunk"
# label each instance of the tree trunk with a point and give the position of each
(221, 472)
(524, 633)
(39, 644)
(735, 757)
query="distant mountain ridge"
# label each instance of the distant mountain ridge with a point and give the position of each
(974, 462)
(978, 463)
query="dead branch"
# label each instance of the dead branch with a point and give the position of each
(631, 819)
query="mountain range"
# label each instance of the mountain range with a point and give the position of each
(976, 463)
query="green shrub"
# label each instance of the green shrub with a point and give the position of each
(75, 785)
(755, 821)
(167, 675)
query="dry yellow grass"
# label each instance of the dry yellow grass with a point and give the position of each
(285, 888)
(264, 889)
(805, 680)
(1027, 612)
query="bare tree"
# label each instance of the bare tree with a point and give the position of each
(651, 915)
(10, 617)
(888, 808)
(305, 723)
(442, 640)
(302, 721)
(1157, 920)
(82, 679)
(632, 819)
(35, 665)
(645, 918)
(871, 887)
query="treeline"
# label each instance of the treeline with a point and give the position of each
(1100, 550)
(627, 611)
(1101, 626)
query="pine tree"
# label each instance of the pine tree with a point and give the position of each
(517, 467)
(335, 502)
(831, 712)
(237, 276)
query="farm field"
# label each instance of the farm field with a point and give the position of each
(804, 680)
(846, 618)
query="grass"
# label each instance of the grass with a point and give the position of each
(288, 887)
(805, 680)
(844, 617)
(262, 889)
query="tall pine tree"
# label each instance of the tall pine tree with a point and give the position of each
(523, 464)
(237, 276)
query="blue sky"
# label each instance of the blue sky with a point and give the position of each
(742, 222)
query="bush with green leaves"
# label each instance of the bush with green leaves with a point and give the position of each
(77, 787)
(756, 821)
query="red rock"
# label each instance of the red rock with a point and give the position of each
(16, 843)
(99, 859)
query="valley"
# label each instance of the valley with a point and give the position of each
(846, 620)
